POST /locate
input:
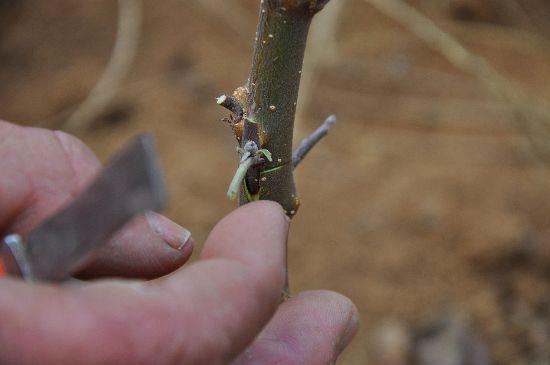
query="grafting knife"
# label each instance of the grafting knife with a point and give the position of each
(130, 184)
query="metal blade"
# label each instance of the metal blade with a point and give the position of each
(130, 184)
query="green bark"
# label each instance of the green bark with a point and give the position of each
(273, 92)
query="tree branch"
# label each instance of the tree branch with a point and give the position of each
(532, 114)
(272, 97)
(268, 105)
(322, 51)
(231, 12)
(122, 58)
(310, 141)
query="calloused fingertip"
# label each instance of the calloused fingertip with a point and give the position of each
(312, 327)
(268, 206)
(270, 212)
(352, 327)
(343, 311)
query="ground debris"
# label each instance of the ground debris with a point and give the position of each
(449, 340)
(391, 344)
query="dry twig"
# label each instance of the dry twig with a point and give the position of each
(534, 115)
(122, 58)
(233, 14)
(322, 50)
(309, 142)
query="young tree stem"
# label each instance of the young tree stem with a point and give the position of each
(273, 92)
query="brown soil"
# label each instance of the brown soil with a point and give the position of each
(423, 198)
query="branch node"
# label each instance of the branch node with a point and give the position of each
(251, 155)
(309, 142)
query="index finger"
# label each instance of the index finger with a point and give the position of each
(45, 170)
(206, 312)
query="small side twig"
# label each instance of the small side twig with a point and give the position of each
(309, 142)
(235, 185)
(122, 58)
(231, 104)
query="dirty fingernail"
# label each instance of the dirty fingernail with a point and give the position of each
(173, 234)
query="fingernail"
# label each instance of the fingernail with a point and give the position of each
(171, 233)
(349, 332)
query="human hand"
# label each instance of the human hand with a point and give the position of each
(222, 309)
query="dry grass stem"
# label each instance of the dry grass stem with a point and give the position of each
(532, 116)
(322, 50)
(233, 14)
(122, 58)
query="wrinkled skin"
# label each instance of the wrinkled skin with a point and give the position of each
(222, 309)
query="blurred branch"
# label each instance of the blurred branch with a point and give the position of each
(502, 34)
(321, 51)
(233, 14)
(122, 58)
(530, 112)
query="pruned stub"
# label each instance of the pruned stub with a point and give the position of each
(236, 122)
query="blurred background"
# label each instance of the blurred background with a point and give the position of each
(428, 203)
